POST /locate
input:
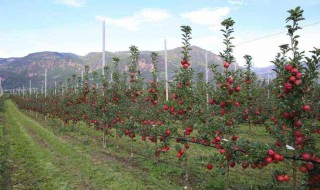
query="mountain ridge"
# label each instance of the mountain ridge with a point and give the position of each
(18, 71)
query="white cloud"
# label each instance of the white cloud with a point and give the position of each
(173, 42)
(152, 16)
(77, 40)
(236, 2)
(128, 23)
(208, 42)
(210, 17)
(215, 28)
(72, 3)
(264, 50)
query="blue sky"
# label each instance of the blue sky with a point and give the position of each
(29, 26)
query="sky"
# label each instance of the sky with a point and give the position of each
(75, 26)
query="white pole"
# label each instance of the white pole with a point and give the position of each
(1, 90)
(103, 47)
(252, 67)
(30, 88)
(166, 68)
(103, 65)
(22, 91)
(268, 85)
(207, 76)
(82, 76)
(45, 89)
(111, 78)
(55, 87)
(45, 82)
(36, 92)
(235, 66)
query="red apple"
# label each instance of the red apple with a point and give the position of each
(294, 71)
(217, 138)
(297, 82)
(287, 86)
(286, 115)
(292, 79)
(309, 166)
(271, 152)
(280, 178)
(235, 137)
(209, 166)
(306, 108)
(298, 123)
(297, 134)
(230, 80)
(223, 104)
(276, 157)
(168, 132)
(303, 169)
(306, 156)
(298, 75)
(232, 164)
(286, 178)
(244, 164)
(226, 64)
(288, 67)
(268, 159)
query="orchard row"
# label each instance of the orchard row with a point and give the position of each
(210, 114)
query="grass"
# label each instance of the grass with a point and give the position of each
(30, 163)
(51, 163)
(4, 148)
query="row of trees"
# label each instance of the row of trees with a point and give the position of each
(290, 114)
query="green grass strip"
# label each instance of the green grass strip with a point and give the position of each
(78, 167)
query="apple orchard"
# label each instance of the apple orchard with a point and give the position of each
(193, 113)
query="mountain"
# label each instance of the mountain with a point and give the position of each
(18, 71)
(265, 72)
